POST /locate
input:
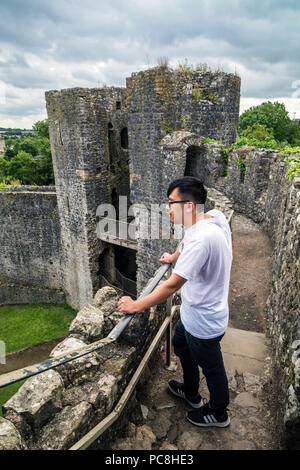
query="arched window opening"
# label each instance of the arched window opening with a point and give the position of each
(124, 138)
(111, 145)
(115, 201)
(194, 165)
(242, 169)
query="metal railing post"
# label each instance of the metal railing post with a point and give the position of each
(168, 334)
(170, 365)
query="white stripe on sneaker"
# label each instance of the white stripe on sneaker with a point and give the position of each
(208, 421)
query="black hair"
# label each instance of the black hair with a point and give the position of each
(190, 188)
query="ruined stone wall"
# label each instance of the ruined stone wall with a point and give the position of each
(29, 246)
(283, 307)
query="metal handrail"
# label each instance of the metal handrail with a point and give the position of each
(29, 371)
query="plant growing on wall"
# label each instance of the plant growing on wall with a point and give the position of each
(202, 68)
(242, 167)
(213, 97)
(295, 166)
(197, 93)
(184, 118)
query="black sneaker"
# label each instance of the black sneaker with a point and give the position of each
(205, 417)
(177, 388)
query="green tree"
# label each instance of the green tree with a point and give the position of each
(23, 167)
(294, 134)
(43, 146)
(3, 169)
(259, 132)
(41, 128)
(275, 117)
(29, 145)
(20, 162)
(44, 169)
(9, 153)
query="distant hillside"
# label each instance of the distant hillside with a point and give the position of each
(9, 132)
(6, 129)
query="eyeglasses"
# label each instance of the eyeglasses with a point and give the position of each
(175, 202)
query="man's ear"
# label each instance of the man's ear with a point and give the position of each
(189, 206)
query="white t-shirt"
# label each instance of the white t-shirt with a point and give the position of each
(205, 261)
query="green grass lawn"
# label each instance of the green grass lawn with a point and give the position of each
(22, 326)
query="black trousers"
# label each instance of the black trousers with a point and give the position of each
(205, 353)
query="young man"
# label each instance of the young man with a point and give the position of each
(202, 271)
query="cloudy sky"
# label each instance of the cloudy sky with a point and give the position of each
(55, 44)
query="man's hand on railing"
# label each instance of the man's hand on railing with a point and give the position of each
(161, 293)
(166, 258)
(127, 305)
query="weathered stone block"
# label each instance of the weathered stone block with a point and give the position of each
(108, 391)
(10, 438)
(37, 400)
(66, 428)
(78, 370)
(103, 295)
(88, 324)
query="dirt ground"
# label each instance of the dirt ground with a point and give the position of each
(29, 356)
(250, 275)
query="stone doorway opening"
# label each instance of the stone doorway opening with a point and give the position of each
(118, 268)
(195, 164)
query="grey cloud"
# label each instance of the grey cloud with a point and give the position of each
(259, 37)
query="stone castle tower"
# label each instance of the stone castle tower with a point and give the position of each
(107, 142)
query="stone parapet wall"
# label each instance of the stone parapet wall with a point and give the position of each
(265, 193)
(283, 314)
